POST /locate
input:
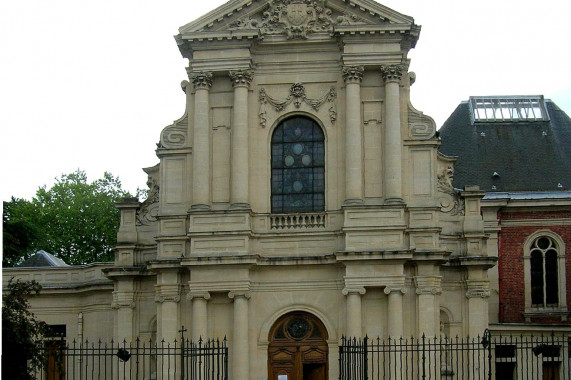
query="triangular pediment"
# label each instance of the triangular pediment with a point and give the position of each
(295, 19)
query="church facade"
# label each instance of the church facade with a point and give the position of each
(301, 197)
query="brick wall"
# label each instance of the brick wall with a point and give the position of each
(511, 264)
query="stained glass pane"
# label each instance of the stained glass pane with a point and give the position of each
(298, 166)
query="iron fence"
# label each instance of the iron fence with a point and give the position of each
(482, 357)
(179, 360)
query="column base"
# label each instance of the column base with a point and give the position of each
(200, 207)
(240, 206)
(353, 202)
(394, 201)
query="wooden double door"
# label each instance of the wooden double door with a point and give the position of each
(298, 348)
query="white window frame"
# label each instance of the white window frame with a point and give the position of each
(539, 311)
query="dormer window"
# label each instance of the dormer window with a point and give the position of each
(298, 166)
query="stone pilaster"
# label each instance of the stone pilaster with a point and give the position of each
(427, 290)
(199, 314)
(240, 360)
(239, 191)
(201, 146)
(392, 75)
(354, 327)
(167, 297)
(353, 75)
(395, 311)
(477, 293)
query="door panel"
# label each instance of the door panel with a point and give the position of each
(298, 348)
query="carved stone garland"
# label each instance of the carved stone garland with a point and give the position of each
(296, 19)
(297, 96)
(444, 185)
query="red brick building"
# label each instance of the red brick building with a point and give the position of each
(518, 150)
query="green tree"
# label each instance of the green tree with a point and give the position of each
(19, 231)
(74, 220)
(22, 333)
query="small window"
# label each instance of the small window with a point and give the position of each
(298, 166)
(544, 273)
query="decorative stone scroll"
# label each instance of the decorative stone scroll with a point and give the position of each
(452, 205)
(296, 19)
(123, 300)
(420, 126)
(297, 96)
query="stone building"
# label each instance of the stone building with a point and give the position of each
(300, 197)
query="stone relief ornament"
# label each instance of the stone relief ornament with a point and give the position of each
(452, 205)
(149, 209)
(392, 72)
(296, 19)
(241, 77)
(297, 96)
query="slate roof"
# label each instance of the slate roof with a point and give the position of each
(42, 259)
(526, 155)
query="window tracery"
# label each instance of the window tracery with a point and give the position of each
(298, 166)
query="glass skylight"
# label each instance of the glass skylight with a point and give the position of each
(508, 108)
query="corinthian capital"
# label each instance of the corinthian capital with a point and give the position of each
(392, 72)
(202, 79)
(241, 77)
(353, 74)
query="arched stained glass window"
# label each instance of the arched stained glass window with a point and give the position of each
(544, 272)
(298, 166)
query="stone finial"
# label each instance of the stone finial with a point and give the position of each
(353, 74)
(392, 72)
(241, 77)
(201, 80)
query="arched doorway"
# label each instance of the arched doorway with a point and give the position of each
(298, 348)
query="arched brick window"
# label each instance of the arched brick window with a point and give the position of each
(544, 266)
(298, 166)
(544, 273)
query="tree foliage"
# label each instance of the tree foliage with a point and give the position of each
(74, 220)
(22, 333)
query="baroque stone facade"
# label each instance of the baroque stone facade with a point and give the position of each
(304, 107)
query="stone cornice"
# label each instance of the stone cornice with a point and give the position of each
(280, 17)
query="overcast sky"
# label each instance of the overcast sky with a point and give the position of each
(90, 84)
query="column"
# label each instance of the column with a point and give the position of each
(393, 140)
(240, 359)
(354, 319)
(239, 197)
(201, 144)
(199, 315)
(395, 312)
(353, 136)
